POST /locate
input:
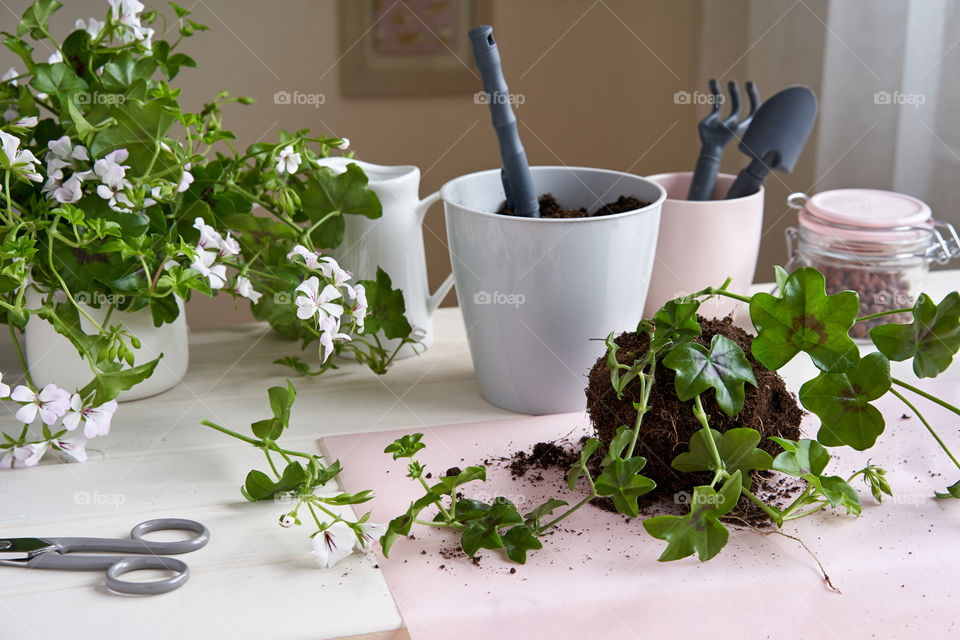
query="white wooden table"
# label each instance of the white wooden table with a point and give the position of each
(255, 579)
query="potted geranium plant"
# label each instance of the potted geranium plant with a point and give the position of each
(113, 215)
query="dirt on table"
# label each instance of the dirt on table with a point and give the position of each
(666, 429)
(550, 208)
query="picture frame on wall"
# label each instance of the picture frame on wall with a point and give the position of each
(409, 47)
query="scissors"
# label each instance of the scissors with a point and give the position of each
(53, 553)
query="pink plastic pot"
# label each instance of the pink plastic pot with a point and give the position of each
(701, 243)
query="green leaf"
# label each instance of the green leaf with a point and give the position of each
(405, 447)
(737, 448)
(111, 380)
(57, 79)
(267, 429)
(281, 400)
(805, 457)
(932, 339)
(448, 484)
(781, 277)
(842, 402)
(621, 480)
(700, 531)
(580, 467)
(340, 194)
(953, 491)
(483, 533)
(35, 18)
(805, 318)
(676, 321)
(618, 443)
(385, 307)
(139, 128)
(259, 486)
(537, 513)
(400, 526)
(520, 539)
(724, 368)
(838, 492)
(122, 71)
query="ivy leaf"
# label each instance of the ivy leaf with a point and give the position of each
(35, 18)
(139, 126)
(448, 484)
(340, 194)
(932, 339)
(953, 491)
(113, 378)
(737, 448)
(386, 308)
(724, 367)
(699, 531)
(281, 400)
(621, 480)
(842, 402)
(405, 447)
(57, 79)
(399, 527)
(580, 467)
(537, 513)
(801, 458)
(618, 443)
(259, 486)
(483, 533)
(805, 318)
(676, 321)
(838, 492)
(520, 539)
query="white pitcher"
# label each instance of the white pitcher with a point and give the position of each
(393, 241)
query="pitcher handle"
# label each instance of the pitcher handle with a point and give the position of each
(434, 299)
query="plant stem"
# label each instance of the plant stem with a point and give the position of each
(23, 360)
(797, 503)
(773, 515)
(702, 417)
(257, 443)
(927, 425)
(820, 505)
(883, 313)
(273, 468)
(566, 513)
(921, 392)
(426, 487)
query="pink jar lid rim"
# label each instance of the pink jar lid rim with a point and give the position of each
(869, 208)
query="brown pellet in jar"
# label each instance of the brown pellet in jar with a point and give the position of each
(879, 291)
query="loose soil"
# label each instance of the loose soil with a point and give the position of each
(550, 208)
(666, 429)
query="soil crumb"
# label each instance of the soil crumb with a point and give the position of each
(550, 208)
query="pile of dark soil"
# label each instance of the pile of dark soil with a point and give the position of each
(666, 429)
(550, 208)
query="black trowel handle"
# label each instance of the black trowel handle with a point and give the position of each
(749, 179)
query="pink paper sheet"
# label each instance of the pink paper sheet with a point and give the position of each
(898, 565)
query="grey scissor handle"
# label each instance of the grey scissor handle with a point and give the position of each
(136, 543)
(117, 566)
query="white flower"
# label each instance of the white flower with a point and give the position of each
(76, 448)
(245, 288)
(185, 180)
(229, 246)
(20, 162)
(359, 307)
(317, 303)
(93, 26)
(333, 544)
(287, 521)
(370, 533)
(10, 75)
(287, 160)
(62, 155)
(216, 274)
(109, 169)
(116, 196)
(66, 193)
(330, 268)
(329, 327)
(55, 57)
(344, 143)
(310, 258)
(28, 123)
(4, 388)
(127, 13)
(96, 420)
(210, 238)
(51, 403)
(26, 456)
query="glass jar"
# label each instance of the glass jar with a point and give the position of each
(878, 243)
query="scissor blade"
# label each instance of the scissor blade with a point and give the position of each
(23, 545)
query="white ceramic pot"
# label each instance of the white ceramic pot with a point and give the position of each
(394, 242)
(703, 242)
(53, 358)
(538, 296)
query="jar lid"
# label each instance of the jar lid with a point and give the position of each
(870, 208)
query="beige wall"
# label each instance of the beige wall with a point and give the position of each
(598, 80)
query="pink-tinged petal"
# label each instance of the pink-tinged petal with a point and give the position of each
(334, 310)
(91, 428)
(310, 286)
(23, 394)
(329, 293)
(75, 448)
(307, 310)
(4, 390)
(71, 421)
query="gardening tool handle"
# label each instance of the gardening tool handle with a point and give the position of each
(705, 174)
(518, 183)
(749, 179)
(433, 299)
